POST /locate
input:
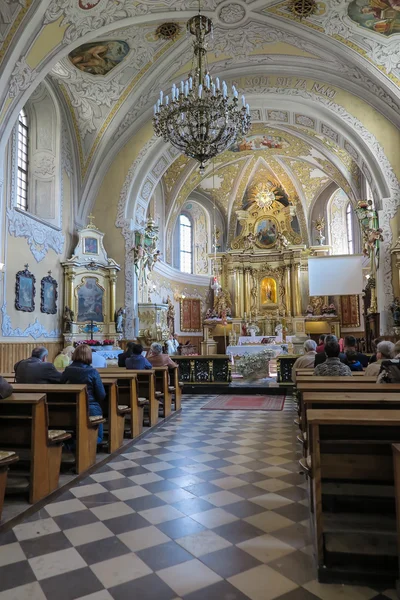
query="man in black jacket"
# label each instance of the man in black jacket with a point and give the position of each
(36, 369)
(321, 356)
(350, 346)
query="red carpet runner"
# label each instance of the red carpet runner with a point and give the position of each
(230, 402)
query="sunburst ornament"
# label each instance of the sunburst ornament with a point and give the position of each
(264, 194)
(302, 8)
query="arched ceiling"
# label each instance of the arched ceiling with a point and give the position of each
(281, 63)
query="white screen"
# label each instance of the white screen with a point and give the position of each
(335, 275)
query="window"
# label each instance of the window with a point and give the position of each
(22, 183)
(349, 227)
(185, 244)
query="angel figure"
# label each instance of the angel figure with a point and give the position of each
(281, 241)
(309, 310)
(248, 242)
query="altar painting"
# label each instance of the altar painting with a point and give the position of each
(266, 232)
(90, 301)
(268, 291)
(381, 16)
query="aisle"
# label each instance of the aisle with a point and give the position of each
(210, 507)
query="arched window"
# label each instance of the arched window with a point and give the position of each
(349, 227)
(22, 184)
(185, 244)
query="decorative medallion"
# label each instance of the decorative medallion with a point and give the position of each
(100, 57)
(381, 16)
(168, 31)
(88, 4)
(232, 13)
(303, 8)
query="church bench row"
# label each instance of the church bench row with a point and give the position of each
(350, 466)
(25, 430)
(7, 458)
(309, 373)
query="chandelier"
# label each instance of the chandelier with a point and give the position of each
(199, 118)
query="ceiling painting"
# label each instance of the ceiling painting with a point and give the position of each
(99, 58)
(381, 16)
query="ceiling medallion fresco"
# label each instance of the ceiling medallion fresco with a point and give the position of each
(99, 58)
(259, 142)
(381, 16)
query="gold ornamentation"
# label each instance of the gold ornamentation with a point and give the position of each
(302, 8)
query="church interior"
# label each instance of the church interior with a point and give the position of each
(200, 299)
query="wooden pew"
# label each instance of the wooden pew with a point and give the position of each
(310, 373)
(145, 387)
(346, 401)
(175, 387)
(396, 467)
(128, 395)
(68, 409)
(352, 476)
(24, 427)
(7, 458)
(114, 413)
(161, 382)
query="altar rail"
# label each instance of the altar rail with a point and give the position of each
(284, 365)
(215, 368)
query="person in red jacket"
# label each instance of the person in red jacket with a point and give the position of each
(321, 344)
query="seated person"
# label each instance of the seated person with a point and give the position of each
(307, 360)
(81, 371)
(321, 343)
(332, 365)
(98, 361)
(321, 356)
(136, 360)
(384, 351)
(36, 369)
(6, 389)
(63, 359)
(158, 359)
(124, 355)
(352, 361)
(350, 343)
(375, 343)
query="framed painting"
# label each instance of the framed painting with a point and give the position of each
(190, 314)
(90, 245)
(350, 311)
(90, 300)
(25, 290)
(48, 295)
(266, 231)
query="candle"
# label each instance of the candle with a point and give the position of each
(217, 83)
(200, 90)
(190, 82)
(207, 80)
(243, 101)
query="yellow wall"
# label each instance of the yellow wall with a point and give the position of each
(17, 255)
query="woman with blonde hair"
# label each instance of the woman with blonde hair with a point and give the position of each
(64, 357)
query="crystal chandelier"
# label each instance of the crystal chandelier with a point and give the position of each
(200, 119)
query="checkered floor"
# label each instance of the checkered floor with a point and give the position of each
(210, 507)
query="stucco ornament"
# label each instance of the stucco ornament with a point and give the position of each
(35, 330)
(21, 78)
(232, 13)
(40, 238)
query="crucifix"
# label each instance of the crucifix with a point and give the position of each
(91, 219)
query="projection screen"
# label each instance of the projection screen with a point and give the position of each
(335, 275)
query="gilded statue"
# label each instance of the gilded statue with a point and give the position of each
(281, 241)
(170, 316)
(68, 319)
(223, 303)
(248, 242)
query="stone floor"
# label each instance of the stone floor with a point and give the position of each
(208, 507)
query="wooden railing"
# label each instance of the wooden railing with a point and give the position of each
(11, 353)
(284, 365)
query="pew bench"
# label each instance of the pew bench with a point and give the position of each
(24, 429)
(128, 395)
(68, 409)
(115, 413)
(7, 458)
(352, 483)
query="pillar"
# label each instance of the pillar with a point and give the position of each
(296, 296)
(247, 291)
(113, 281)
(288, 296)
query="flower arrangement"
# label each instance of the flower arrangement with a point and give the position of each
(92, 343)
(251, 364)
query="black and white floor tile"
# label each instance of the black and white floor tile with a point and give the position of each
(211, 506)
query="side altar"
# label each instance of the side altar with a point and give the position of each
(90, 278)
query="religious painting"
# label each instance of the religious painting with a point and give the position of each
(25, 291)
(259, 142)
(99, 58)
(48, 295)
(90, 245)
(268, 291)
(381, 16)
(90, 301)
(87, 4)
(266, 232)
(350, 311)
(190, 314)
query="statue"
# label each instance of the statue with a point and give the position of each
(254, 298)
(395, 308)
(222, 302)
(171, 316)
(332, 310)
(309, 310)
(281, 241)
(119, 319)
(253, 329)
(319, 227)
(248, 242)
(138, 254)
(68, 319)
